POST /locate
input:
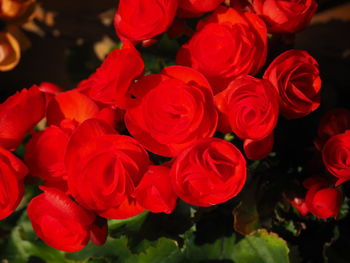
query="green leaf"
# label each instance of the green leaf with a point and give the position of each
(261, 247)
(162, 250)
(119, 45)
(31, 190)
(344, 209)
(153, 63)
(167, 45)
(229, 137)
(246, 216)
(253, 166)
(117, 250)
(130, 224)
(114, 250)
(219, 250)
(291, 228)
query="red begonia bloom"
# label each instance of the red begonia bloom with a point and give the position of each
(300, 205)
(139, 20)
(258, 149)
(285, 17)
(193, 8)
(296, 77)
(250, 106)
(228, 44)
(111, 82)
(59, 221)
(18, 114)
(155, 192)
(45, 153)
(209, 173)
(173, 110)
(12, 171)
(336, 156)
(103, 167)
(322, 201)
(334, 122)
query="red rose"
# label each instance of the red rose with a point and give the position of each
(258, 150)
(322, 200)
(208, 173)
(103, 167)
(155, 191)
(228, 44)
(12, 171)
(336, 156)
(334, 122)
(45, 153)
(193, 8)
(283, 16)
(139, 20)
(296, 76)
(250, 106)
(59, 221)
(111, 81)
(174, 110)
(18, 114)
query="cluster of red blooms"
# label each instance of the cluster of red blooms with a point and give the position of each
(92, 173)
(323, 197)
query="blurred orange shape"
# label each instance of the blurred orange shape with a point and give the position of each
(10, 52)
(16, 11)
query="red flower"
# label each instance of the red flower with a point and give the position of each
(285, 16)
(103, 168)
(155, 191)
(258, 150)
(18, 114)
(111, 81)
(12, 171)
(193, 8)
(250, 106)
(322, 201)
(45, 153)
(139, 20)
(75, 107)
(228, 44)
(334, 122)
(129, 208)
(99, 231)
(112, 116)
(336, 156)
(300, 205)
(174, 109)
(71, 105)
(59, 221)
(50, 88)
(208, 173)
(296, 76)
